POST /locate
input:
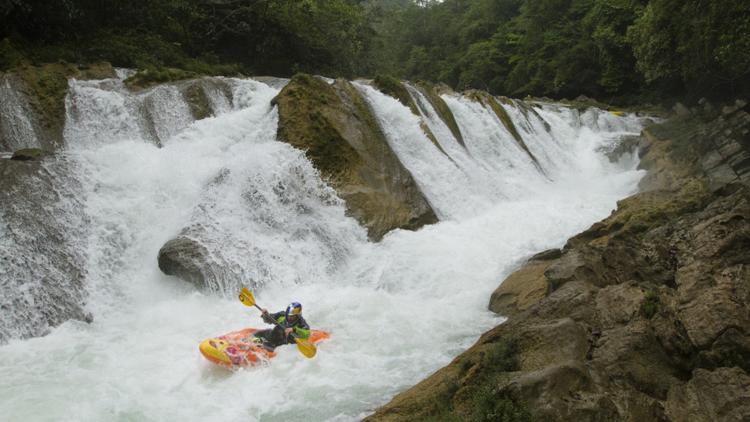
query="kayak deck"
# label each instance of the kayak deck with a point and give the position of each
(237, 349)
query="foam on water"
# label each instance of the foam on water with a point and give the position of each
(398, 309)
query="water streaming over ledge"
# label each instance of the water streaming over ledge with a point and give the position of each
(144, 171)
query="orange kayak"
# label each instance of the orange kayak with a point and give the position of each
(237, 349)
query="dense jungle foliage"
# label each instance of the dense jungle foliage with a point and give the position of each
(614, 50)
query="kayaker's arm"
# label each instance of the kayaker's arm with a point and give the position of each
(301, 329)
(270, 318)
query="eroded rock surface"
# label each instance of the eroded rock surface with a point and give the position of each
(338, 132)
(643, 317)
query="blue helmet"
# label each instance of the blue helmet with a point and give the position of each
(293, 310)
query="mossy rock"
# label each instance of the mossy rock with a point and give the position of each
(200, 106)
(311, 130)
(149, 77)
(643, 211)
(396, 89)
(650, 305)
(339, 133)
(391, 86)
(442, 109)
(28, 154)
(101, 70)
(46, 87)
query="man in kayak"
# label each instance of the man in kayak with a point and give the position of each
(289, 325)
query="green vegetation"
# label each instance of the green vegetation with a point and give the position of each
(27, 154)
(622, 51)
(488, 403)
(613, 50)
(501, 357)
(491, 406)
(278, 37)
(650, 304)
(482, 400)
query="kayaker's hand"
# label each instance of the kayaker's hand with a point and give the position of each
(264, 312)
(288, 331)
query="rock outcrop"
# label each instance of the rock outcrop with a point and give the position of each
(35, 97)
(338, 132)
(644, 316)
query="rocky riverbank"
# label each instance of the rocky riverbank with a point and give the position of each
(644, 316)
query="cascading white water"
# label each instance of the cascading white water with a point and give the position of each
(398, 309)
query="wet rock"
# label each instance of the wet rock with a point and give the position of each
(646, 317)
(547, 255)
(335, 127)
(187, 259)
(432, 93)
(627, 145)
(45, 88)
(28, 154)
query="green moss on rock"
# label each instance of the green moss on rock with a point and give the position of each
(643, 211)
(335, 127)
(200, 106)
(442, 109)
(152, 76)
(46, 87)
(650, 304)
(389, 85)
(490, 101)
(394, 88)
(28, 154)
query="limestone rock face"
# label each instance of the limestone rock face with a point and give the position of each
(522, 289)
(644, 316)
(719, 395)
(338, 132)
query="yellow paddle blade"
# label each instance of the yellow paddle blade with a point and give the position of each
(246, 297)
(306, 348)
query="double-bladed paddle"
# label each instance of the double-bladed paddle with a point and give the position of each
(305, 347)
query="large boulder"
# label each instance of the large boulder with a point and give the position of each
(337, 130)
(187, 259)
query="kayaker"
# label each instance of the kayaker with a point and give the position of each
(289, 325)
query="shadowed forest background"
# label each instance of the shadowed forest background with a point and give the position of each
(622, 51)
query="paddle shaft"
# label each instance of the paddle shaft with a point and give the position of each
(274, 321)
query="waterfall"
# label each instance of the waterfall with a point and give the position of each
(140, 168)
